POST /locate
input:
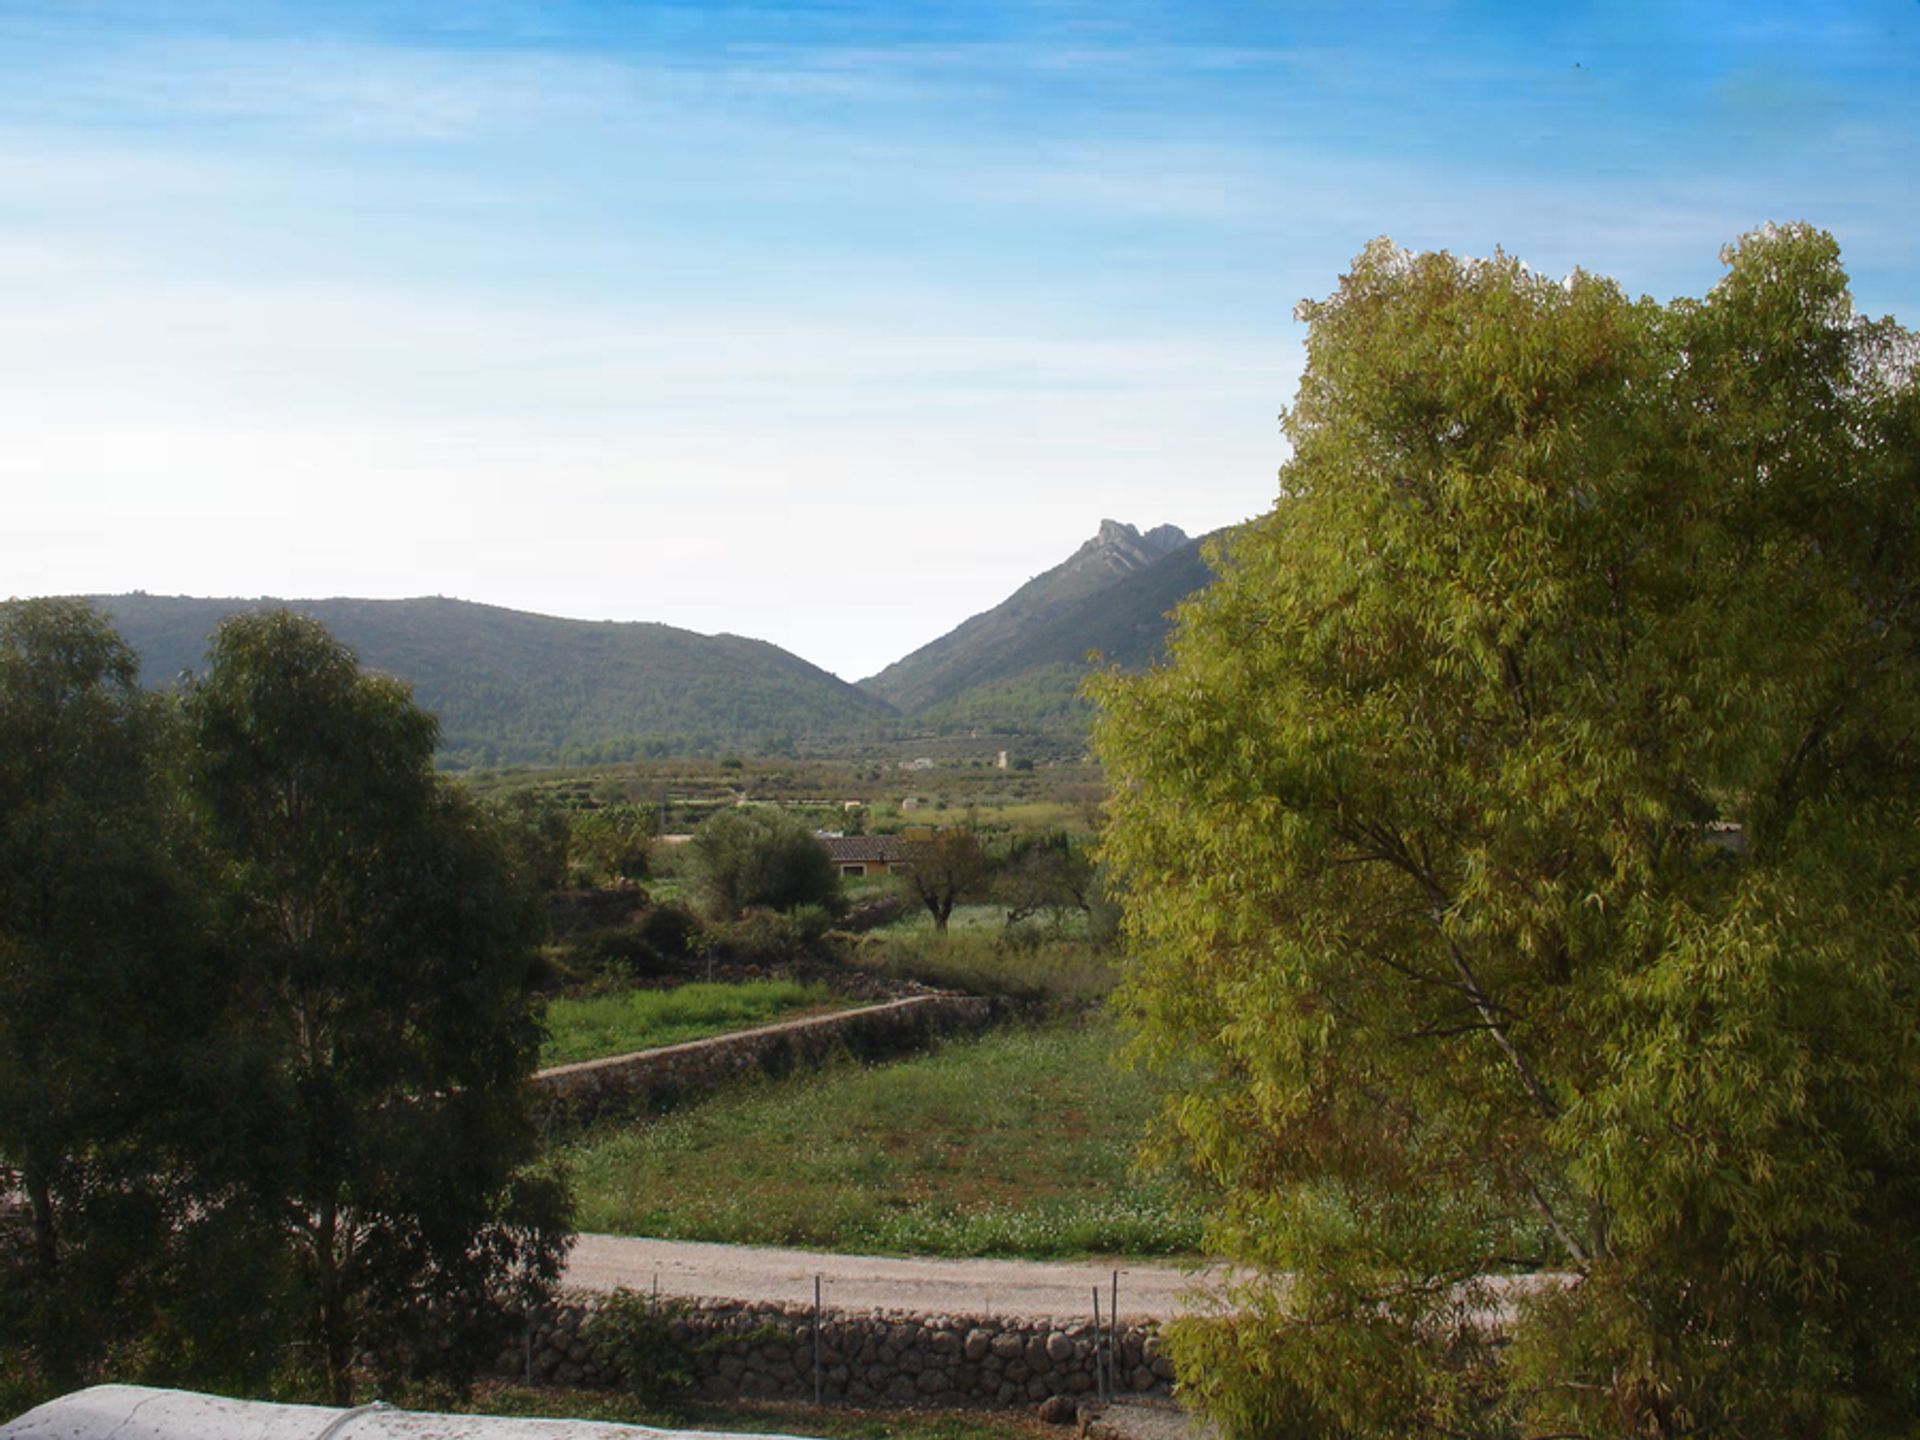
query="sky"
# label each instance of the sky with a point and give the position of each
(824, 323)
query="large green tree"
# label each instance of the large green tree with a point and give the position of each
(102, 988)
(383, 944)
(1524, 866)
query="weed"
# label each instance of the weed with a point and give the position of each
(1017, 1143)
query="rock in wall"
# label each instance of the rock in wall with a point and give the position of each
(733, 1349)
(654, 1078)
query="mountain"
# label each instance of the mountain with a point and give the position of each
(515, 688)
(1034, 685)
(975, 651)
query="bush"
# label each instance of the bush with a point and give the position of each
(747, 857)
(633, 1333)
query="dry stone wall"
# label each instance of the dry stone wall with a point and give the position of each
(654, 1078)
(733, 1349)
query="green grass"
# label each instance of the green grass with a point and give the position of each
(749, 1417)
(1019, 1143)
(981, 962)
(596, 1025)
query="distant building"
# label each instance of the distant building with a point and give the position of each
(859, 855)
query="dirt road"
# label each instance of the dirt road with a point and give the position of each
(865, 1282)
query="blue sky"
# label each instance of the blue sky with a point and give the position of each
(824, 323)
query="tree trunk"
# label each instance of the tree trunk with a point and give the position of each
(46, 1236)
(335, 1339)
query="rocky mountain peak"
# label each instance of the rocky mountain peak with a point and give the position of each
(1121, 547)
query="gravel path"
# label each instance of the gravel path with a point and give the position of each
(866, 1282)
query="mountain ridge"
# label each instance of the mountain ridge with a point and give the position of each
(965, 655)
(513, 687)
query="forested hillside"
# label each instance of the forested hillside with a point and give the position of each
(1032, 680)
(975, 650)
(516, 688)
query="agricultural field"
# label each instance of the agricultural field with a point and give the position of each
(590, 1026)
(1019, 1143)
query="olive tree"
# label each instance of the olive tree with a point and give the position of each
(381, 938)
(758, 856)
(1522, 843)
(945, 868)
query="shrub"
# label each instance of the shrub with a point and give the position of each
(747, 857)
(633, 1333)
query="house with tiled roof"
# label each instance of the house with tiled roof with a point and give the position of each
(854, 856)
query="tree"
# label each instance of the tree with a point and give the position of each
(944, 869)
(100, 986)
(1045, 872)
(757, 856)
(537, 833)
(384, 946)
(611, 843)
(1523, 866)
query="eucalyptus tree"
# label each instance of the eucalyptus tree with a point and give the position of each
(1523, 850)
(100, 984)
(383, 943)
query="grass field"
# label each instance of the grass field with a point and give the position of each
(589, 1027)
(1016, 1144)
(749, 1417)
(975, 960)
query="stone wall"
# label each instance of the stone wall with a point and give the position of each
(655, 1078)
(733, 1349)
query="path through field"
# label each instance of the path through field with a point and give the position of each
(1028, 1288)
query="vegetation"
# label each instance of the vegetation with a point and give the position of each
(103, 1038)
(983, 958)
(948, 866)
(514, 688)
(971, 652)
(588, 1027)
(764, 858)
(1426, 824)
(282, 968)
(1034, 681)
(1019, 1143)
(749, 1418)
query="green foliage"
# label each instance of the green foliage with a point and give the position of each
(377, 928)
(610, 843)
(1419, 822)
(535, 828)
(514, 688)
(1050, 873)
(634, 1334)
(105, 1033)
(1019, 1143)
(990, 960)
(749, 1417)
(596, 1025)
(758, 856)
(950, 866)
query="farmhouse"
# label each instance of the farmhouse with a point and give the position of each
(857, 855)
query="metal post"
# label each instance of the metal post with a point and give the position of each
(1113, 1336)
(1099, 1370)
(819, 1397)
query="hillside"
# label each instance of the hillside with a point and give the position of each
(516, 688)
(1034, 682)
(974, 652)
